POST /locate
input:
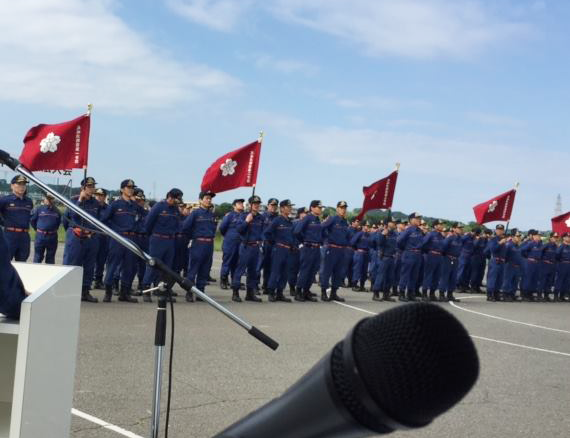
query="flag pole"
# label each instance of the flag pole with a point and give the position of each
(509, 221)
(89, 109)
(260, 140)
(390, 209)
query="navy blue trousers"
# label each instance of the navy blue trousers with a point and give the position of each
(81, 252)
(201, 254)
(45, 245)
(230, 258)
(19, 245)
(449, 269)
(477, 270)
(360, 266)
(464, 270)
(547, 274)
(101, 257)
(409, 270)
(279, 268)
(531, 276)
(562, 284)
(309, 265)
(162, 249)
(248, 260)
(385, 274)
(122, 260)
(293, 267)
(432, 271)
(494, 277)
(334, 268)
(511, 278)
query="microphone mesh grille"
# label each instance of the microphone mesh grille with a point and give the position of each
(416, 360)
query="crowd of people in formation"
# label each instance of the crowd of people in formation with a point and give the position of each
(272, 251)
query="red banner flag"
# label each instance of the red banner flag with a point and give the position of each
(497, 209)
(61, 146)
(235, 169)
(561, 224)
(379, 194)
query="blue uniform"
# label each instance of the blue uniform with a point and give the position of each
(512, 269)
(201, 227)
(294, 263)
(361, 244)
(122, 217)
(80, 245)
(336, 230)
(11, 288)
(142, 241)
(478, 261)
(532, 252)
(432, 245)
(548, 269)
(410, 242)
(265, 259)
(231, 244)
(102, 252)
(16, 213)
(280, 233)
(251, 237)
(349, 254)
(161, 225)
(464, 267)
(497, 253)
(46, 220)
(386, 246)
(562, 284)
(308, 230)
(451, 248)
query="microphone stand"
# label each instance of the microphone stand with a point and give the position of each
(169, 276)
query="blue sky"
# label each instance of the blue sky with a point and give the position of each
(469, 96)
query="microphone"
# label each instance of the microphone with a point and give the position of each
(6, 159)
(396, 370)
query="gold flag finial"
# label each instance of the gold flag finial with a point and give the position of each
(89, 108)
(260, 138)
(397, 167)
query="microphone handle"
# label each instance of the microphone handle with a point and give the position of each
(309, 409)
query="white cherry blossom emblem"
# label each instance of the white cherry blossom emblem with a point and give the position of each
(567, 222)
(492, 206)
(49, 144)
(229, 167)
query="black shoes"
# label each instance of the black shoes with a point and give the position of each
(235, 295)
(108, 294)
(335, 297)
(250, 296)
(189, 297)
(86, 296)
(224, 283)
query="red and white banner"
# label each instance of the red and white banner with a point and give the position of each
(379, 194)
(235, 169)
(499, 208)
(561, 224)
(61, 146)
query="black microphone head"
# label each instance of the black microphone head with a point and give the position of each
(415, 362)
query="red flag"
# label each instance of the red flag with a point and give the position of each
(561, 224)
(61, 146)
(235, 169)
(379, 195)
(497, 209)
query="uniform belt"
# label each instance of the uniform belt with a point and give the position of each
(413, 250)
(82, 234)
(46, 232)
(361, 249)
(163, 236)
(332, 245)
(532, 260)
(451, 257)
(16, 230)
(548, 261)
(387, 257)
(565, 261)
(283, 245)
(129, 233)
(205, 239)
(499, 259)
(251, 243)
(312, 245)
(435, 252)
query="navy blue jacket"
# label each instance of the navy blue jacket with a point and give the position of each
(163, 219)
(16, 212)
(280, 230)
(336, 230)
(253, 231)
(200, 223)
(11, 288)
(72, 219)
(309, 230)
(410, 239)
(386, 244)
(45, 218)
(228, 227)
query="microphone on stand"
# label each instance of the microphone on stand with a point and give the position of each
(397, 370)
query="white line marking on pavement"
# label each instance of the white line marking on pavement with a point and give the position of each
(104, 424)
(543, 350)
(509, 320)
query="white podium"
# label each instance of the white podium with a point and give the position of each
(38, 353)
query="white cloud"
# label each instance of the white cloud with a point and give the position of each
(410, 28)
(70, 52)
(495, 120)
(281, 65)
(222, 15)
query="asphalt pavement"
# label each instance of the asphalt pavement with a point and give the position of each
(220, 373)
